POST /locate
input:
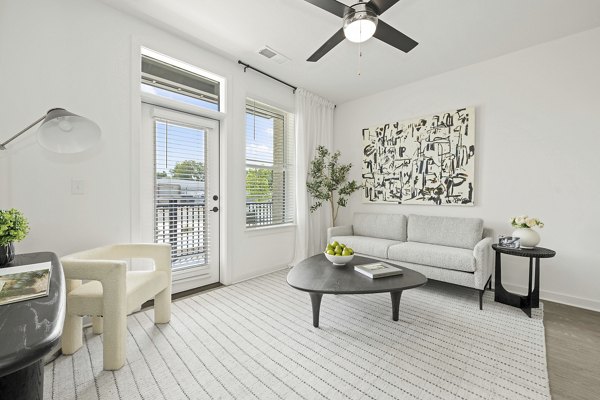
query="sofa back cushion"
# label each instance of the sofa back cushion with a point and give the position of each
(384, 226)
(445, 231)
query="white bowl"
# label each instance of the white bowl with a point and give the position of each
(339, 260)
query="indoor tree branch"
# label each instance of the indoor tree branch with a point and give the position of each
(328, 180)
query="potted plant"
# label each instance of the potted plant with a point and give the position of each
(13, 228)
(523, 224)
(328, 181)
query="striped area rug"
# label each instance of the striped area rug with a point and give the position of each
(255, 340)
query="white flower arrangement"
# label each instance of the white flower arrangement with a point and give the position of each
(523, 221)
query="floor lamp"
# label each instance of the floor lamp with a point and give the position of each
(63, 132)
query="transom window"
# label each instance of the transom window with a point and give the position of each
(175, 80)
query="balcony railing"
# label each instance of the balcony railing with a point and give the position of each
(259, 214)
(184, 226)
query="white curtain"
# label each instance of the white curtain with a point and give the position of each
(314, 127)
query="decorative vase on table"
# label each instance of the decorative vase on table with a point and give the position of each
(528, 237)
(7, 254)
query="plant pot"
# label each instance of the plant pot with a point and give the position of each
(7, 254)
(529, 237)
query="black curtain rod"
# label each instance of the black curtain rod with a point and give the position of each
(246, 66)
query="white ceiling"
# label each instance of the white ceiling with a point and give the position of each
(451, 34)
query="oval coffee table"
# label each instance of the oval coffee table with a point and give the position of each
(317, 276)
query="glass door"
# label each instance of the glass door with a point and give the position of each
(186, 193)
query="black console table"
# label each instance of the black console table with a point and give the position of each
(28, 331)
(532, 300)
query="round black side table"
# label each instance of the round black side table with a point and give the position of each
(532, 300)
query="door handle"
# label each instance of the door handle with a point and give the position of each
(215, 209)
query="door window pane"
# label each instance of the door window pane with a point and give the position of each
(180, 212)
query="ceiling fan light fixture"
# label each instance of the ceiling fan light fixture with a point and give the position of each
(360, 24)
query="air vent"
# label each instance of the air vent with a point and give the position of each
(273, 55)
(267, 52)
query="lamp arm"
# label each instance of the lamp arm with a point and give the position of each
(3, 145)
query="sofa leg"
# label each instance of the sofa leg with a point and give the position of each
(488, 285)
(481, 299)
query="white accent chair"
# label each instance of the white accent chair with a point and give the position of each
(112, 293)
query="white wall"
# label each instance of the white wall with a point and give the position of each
(537, 141)
(78, 54)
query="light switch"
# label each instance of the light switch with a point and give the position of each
(77, 186)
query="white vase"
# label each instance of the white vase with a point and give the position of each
(529, 237)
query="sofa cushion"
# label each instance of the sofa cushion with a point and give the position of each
(369, 246)
(433, 255)
(445, 231)
(383, 226)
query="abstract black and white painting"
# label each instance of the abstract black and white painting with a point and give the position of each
(429, 160)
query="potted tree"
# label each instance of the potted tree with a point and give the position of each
(328, 182)
(13, 228)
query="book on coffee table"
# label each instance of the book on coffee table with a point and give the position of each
(24, 282)
(378, 270)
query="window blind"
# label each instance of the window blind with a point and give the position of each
(166, 80)
(180, 212)
(270, 198)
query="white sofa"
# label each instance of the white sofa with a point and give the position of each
(453, 250)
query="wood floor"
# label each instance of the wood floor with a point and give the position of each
(573, 352)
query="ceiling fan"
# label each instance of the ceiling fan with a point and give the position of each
(361, 22)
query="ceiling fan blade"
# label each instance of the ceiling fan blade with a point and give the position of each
(333, 6)
(381, 6)
(393, 37)
(330, 44)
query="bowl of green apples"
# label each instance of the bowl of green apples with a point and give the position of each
(338, 253)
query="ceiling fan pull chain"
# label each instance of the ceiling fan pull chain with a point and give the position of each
(359, 58)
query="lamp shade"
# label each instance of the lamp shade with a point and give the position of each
(360, 25)
(65, 132)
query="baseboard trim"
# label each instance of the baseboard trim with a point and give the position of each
(262, 272)
(556, 297)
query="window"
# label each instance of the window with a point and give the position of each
(269, 165)
(175, 80)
